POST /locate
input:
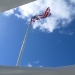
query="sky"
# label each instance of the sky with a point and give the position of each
(50, 41)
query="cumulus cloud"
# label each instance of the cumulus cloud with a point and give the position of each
(63, 12)
(29, 65)
(72, 1)
(36, 62)
(67, 32)
(9, 12)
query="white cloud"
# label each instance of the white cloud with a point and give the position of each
(36, 62)
(29, 65)
(9, 12)
(72, 1)
(67, 32)
(40, 66)
(63, 13)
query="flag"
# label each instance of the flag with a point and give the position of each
(38, 17)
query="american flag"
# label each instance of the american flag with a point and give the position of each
(38, 17)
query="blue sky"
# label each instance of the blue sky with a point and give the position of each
(45, 46)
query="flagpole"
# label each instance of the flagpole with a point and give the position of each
(23, 45)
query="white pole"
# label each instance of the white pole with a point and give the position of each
(22, 48)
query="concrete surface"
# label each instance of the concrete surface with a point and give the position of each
(9, 4)
(14, 70)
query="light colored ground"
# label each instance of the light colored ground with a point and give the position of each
(13, 70)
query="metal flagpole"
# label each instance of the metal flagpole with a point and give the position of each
(22, 48)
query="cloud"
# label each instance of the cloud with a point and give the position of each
(40, 66)
(63, 12)
(67, 32)
(9, 12)
(36, 62)
(29, 65)
(72, 1)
